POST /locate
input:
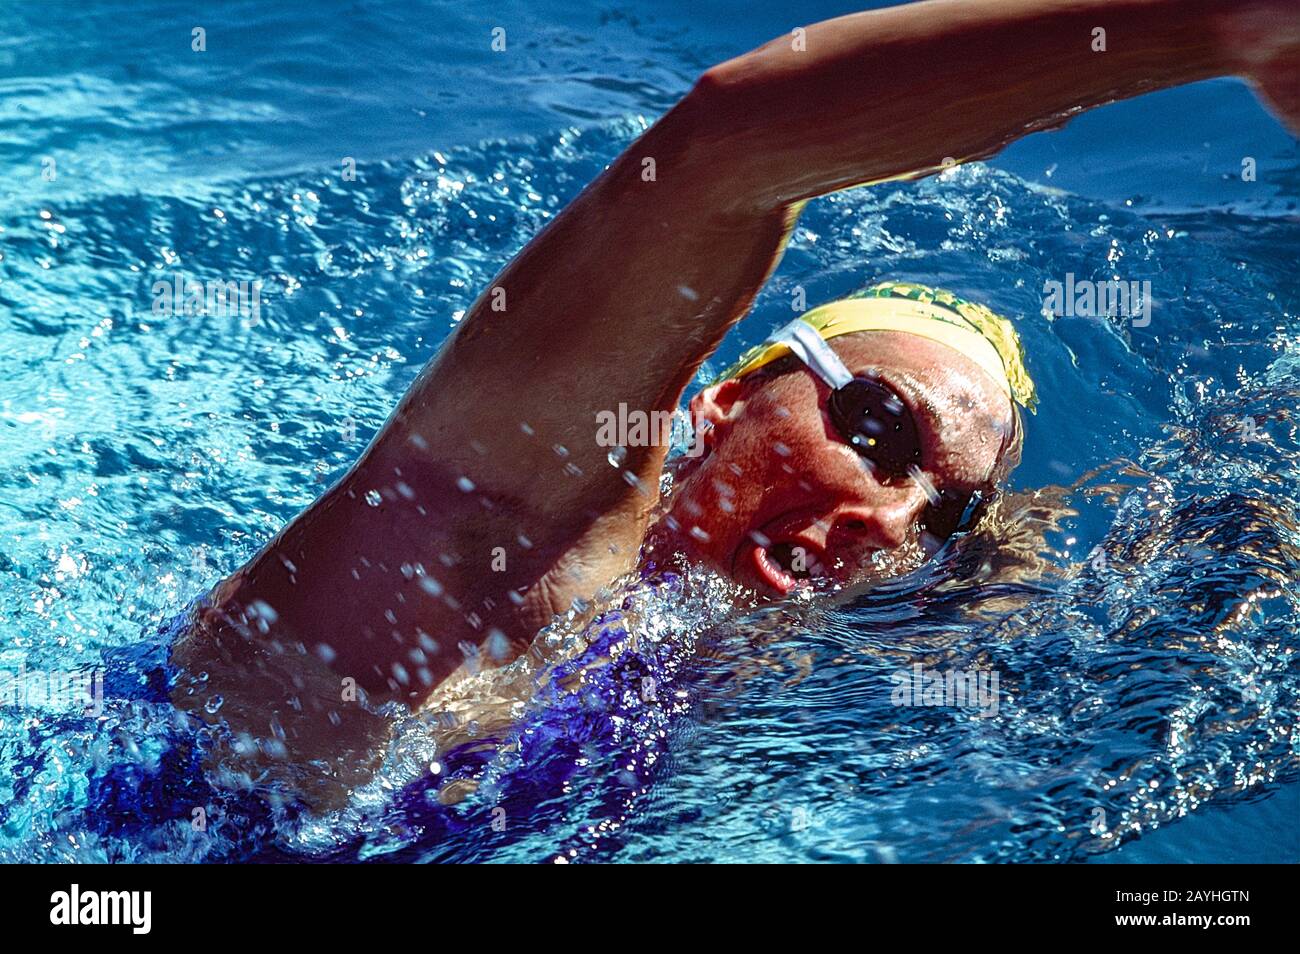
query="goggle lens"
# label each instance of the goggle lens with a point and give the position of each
(876, 423)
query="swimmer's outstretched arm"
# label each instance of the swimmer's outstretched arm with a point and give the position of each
(489, 477)
(622, 297)
(637, 281)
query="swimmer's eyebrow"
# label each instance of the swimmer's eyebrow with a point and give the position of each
(933, 419)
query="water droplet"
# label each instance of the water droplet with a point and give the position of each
(264, 610)
(923, 482)
(498, 646)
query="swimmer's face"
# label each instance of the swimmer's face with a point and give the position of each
(779, 497)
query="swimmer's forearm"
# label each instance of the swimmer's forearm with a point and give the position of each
(900, 91)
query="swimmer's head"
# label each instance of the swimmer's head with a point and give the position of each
(799, 480)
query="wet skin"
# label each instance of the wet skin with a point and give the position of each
(778, 473)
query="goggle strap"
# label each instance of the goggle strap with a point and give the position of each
(809, 347)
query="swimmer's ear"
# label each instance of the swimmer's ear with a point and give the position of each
(714, 407)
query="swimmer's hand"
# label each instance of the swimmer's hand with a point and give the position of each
(1264, 40)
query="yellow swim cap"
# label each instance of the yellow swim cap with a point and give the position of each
(986, 338)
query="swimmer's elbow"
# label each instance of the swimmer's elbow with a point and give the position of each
(708, 85)
(728, 80)
(772, 128)
(717, 127)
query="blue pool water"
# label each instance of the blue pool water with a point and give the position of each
(1148, 696)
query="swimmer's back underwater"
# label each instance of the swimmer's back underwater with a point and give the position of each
(861, 431)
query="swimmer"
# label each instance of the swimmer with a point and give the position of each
(853, 443)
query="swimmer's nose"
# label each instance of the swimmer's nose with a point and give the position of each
(881, 526)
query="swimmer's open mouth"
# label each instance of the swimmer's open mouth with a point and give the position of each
(786, 565)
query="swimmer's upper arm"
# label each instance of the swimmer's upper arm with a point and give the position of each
(616, 301)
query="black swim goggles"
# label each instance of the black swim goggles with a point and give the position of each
(872, 419)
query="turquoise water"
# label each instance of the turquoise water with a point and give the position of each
(146, 457)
